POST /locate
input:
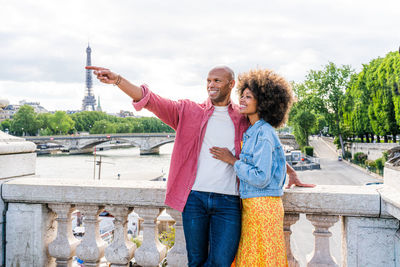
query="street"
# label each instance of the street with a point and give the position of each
(332, 172)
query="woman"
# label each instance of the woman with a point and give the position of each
(265, 98)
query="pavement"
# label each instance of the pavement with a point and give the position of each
(332, 172)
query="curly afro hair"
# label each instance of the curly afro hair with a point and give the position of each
(273, 93)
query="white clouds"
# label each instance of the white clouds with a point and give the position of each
(171, 45)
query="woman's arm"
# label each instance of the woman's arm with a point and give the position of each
(223, 153)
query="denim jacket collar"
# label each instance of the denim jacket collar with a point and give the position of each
(253, 128)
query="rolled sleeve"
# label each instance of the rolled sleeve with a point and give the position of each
(139, 105)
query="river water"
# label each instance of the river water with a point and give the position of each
(127, 162)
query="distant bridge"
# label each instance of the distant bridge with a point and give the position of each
(149, 143)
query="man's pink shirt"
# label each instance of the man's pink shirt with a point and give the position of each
(189, 120)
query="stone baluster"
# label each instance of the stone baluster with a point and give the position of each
(289, 220)
(64, 245)
(151, 252)
(177, 255)
(91, 248)
(120, 251)
(321, 256)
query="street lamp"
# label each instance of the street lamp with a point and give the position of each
(22, 129)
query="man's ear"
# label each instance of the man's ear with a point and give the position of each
(232, 84)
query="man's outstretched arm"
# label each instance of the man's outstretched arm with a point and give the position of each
(106, 76)
(294, 179)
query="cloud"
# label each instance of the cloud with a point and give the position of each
(171, 45)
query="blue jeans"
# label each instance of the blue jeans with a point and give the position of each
(212, 224)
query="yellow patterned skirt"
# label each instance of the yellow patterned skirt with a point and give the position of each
(262, 241)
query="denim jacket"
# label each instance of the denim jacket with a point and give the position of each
(261, 168)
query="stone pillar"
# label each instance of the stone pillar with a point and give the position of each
(289, 220)
(120, 251)
(17, 158)
(91, 248)
(321, 256)
(151, 252)
(63, 247)
(369, 242)
(390, 193)
(29, 230)
(177, 256)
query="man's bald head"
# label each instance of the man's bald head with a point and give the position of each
(229, 72)
(220, 82)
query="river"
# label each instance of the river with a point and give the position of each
(124, 161)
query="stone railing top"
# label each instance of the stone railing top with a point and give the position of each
(343, 200)
(11, 145)
(122, 192)
(323, 199)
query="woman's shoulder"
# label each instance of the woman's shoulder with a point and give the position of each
(266, 131)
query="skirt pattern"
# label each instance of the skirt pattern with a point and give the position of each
(262, 241)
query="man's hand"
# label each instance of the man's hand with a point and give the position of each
(294, 179)
(223, 153)
(104, 75)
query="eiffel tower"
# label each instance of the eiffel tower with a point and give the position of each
(89, 100)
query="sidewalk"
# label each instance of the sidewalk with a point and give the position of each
(329, 142)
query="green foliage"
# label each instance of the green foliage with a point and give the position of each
(89, 121)
(61, 123)
(379, 163)
(103, 127)
(308, 150)
(360, 157)
(370, 163)
(303, 121)
(336, 141)
(137, 241)
(379, 82)
(385, 156)
(85, 120)
(168, 237)
(320, 123)
(24, 121)
(329, 85)
(347, 155)
(5, 125)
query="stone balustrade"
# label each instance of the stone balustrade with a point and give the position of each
(38, 223)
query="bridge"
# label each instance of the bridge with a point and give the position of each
(149, 143)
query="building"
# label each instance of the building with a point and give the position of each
(8, 111)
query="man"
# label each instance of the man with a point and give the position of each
(204, 189)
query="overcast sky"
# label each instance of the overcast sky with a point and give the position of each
(171, 45)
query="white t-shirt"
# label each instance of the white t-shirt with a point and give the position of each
(214, 175)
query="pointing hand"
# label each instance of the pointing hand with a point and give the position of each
(104, 75)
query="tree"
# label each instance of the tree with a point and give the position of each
(103, 127)
(303, 122)
(380, 81)
(85, 120)
(5, 125)
(355, 106)
(44, 123)
(329, 85)
(61, 123)
(24, 121)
